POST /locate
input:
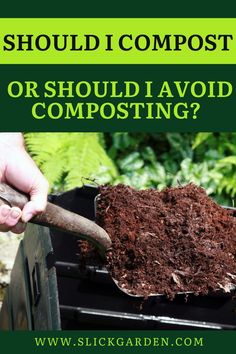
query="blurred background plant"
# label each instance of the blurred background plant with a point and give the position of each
(142, 160)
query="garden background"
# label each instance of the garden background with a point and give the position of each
(142, 160)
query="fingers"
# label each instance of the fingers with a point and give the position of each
(9, 219)
(38, 200)
(19, 170)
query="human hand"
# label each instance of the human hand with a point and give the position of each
(19, 170)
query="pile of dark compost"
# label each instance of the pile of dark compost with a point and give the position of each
(175, 240)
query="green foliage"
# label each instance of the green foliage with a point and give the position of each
(142, 160)
(231, 160)
(149, 160)
(160, 160)
(142, 170)
(68, 159)
(222, 160)
(198, 173)
(200, 138)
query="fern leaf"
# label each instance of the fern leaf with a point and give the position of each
(67, 158)
(89, 156)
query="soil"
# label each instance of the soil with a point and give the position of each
(176, 240)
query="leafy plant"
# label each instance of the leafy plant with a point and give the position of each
(149, 160)
(198, 173)
(169, 159)
(142, 170)
(200, 138)
(222, 160)
(68, 159)
(143, 160)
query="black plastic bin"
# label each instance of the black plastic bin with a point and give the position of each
(49, 291)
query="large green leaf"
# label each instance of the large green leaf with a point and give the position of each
(228, 160)
(200, 138)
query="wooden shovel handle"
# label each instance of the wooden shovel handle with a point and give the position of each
(61, 219)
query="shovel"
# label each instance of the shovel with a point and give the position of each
(59, 218)
(63, 220)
